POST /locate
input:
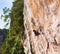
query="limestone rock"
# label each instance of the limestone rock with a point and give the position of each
(42, 26)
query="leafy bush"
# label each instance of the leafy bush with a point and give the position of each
(13, 42)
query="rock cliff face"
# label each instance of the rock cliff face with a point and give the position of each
(42, 26)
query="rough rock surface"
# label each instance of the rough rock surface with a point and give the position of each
(42, 26)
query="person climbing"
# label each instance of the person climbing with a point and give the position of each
(36, 32)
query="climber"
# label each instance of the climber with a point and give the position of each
(36, 32)
(58, 25)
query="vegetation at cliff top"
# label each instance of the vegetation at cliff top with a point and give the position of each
(13, 42)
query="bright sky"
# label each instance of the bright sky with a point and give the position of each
(4, 3)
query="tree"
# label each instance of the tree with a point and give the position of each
(13, 42)
(6, 16)
(42, 26)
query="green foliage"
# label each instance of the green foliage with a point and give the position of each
(3, 33)
(6, 10)
(13, 42)
(5, 15)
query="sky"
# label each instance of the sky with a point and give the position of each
(4, 3)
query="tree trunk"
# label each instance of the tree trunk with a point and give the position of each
(42, 26)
